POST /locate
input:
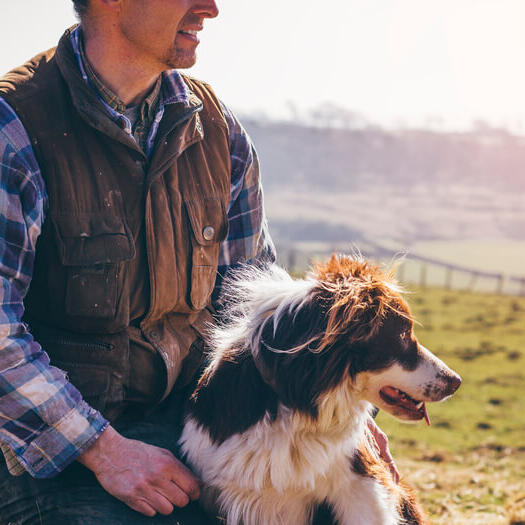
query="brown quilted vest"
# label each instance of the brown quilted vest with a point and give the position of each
(129, 247)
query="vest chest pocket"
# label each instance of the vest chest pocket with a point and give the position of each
(92, 247)
(209, 224)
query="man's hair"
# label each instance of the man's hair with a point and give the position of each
(81, 7)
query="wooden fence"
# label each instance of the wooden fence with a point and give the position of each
(469, 278)
(414, 268)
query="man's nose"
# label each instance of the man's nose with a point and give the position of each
(206, 8)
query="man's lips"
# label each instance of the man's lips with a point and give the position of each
(190, 34)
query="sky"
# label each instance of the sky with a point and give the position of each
(437, 63)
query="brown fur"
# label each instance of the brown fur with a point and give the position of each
(360, 294)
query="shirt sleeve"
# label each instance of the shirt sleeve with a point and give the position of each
(248, 240)
(44, 423)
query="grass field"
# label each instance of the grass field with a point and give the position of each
(469, 466)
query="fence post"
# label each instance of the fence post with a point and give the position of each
(448, 278)
(423, 276)
(499, 288)
(472, 282)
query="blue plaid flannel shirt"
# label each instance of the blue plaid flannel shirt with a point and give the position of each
(44, 423)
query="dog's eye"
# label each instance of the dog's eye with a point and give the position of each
(405, 336)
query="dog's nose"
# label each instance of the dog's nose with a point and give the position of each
(453, 383)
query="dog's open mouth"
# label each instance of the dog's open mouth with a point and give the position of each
(394, 396)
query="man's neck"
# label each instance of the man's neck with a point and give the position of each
(118, 69)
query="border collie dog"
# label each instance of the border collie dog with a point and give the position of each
(278, 423)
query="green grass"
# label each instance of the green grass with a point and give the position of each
(469, 466)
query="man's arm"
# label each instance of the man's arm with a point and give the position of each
(43, 420)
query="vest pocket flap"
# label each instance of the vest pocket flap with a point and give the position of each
(92, 239)
(208, 220)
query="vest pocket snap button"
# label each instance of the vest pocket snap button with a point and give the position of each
(208, 233)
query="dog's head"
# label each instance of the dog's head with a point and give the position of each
(346, 324)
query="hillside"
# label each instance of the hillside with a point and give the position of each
(346, 185)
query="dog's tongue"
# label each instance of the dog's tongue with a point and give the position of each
(425, 413)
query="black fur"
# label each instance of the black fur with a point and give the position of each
(234, 398)
(324, 515)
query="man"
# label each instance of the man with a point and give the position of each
(125, 188)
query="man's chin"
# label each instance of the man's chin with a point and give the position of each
(182, 60)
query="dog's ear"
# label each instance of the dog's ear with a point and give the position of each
(290, 357)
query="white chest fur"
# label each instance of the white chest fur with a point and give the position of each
(276, 472)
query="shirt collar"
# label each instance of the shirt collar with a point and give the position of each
(172, 87)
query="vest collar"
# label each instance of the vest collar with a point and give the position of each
(94, 113)
(169, 146)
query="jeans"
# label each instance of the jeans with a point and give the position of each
(74, 497)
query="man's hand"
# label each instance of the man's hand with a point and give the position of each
(147, 478)
(381, 442)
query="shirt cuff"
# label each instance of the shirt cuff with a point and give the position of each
(57, 446)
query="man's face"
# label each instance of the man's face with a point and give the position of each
(163, 33)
